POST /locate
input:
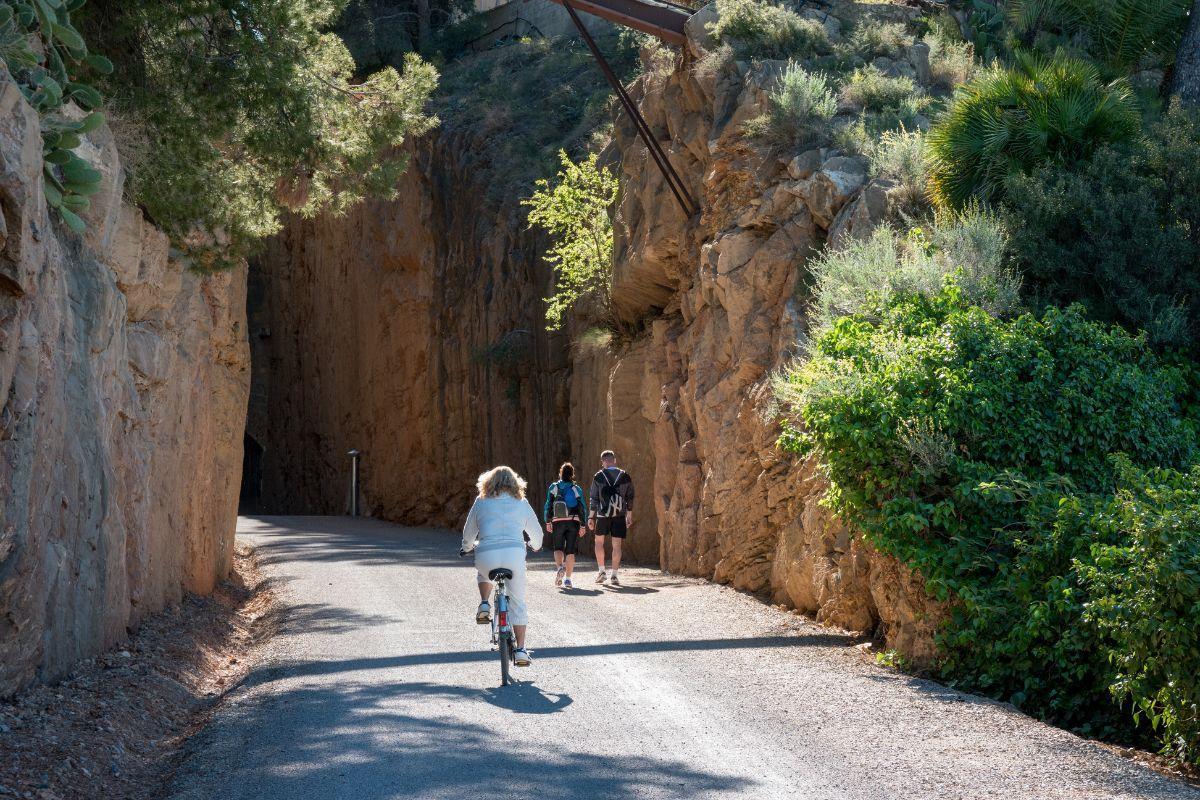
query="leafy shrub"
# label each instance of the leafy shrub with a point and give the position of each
(253, 111)
(900, 156)
(951, 61)
(1144, 599)
(799, 108)
(976, 450)
(861, 274)
(575, 213)
(1009, 121)
(1117, 32)
(869, 89)
(1120, 232)
(762, 29)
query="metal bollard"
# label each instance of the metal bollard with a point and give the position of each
(353, 482)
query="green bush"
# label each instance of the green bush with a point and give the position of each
(800, 107)
(869, 89)
(251, 110)
(574, 211)
(1008, 121)
(1120, 232)
(1144, 599)
(977, 451)
(872, 38)
(951, 61)
(857, 276)
(762, 29)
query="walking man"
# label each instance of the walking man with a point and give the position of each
(610, 512)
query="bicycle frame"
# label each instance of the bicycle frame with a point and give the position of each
(502, 630)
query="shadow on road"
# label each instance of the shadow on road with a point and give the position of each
(308, 668)
(353, 742)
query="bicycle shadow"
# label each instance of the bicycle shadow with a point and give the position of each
(524, 697)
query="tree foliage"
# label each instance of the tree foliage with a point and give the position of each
(574, 211)
(251, 110)
(1008, 121)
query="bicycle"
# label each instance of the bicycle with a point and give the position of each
(502, 630)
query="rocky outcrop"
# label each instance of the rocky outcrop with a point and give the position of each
(123, 382)
(725, 298)
(412, 331)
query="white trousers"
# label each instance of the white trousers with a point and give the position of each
(512, 558)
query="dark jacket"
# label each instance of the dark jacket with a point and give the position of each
(623, 485)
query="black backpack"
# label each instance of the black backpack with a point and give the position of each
(612, 504)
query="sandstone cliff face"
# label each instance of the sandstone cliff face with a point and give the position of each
(725, 302)
(123, 382)
(412, 331)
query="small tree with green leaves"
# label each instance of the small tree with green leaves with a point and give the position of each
(574, 211)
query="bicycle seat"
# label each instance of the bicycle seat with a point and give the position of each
(500, 572)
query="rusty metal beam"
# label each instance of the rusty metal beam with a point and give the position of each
(664, 21)
(656, 152)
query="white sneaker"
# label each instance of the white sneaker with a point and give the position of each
(483, 615)
(558, 576)
(601, 577)
(521, 658)
(613, 580)
(567, 584)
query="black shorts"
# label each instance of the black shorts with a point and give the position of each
(611, 526)
(566, 536)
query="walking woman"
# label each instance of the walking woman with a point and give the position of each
(564, 514)
(497, 527)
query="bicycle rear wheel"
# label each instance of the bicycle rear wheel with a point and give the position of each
(506, 649)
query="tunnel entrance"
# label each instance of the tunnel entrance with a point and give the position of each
(250, 499)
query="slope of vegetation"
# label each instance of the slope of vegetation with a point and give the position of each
(1003, 391)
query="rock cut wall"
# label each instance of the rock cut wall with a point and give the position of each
(123, 383)
(409, 330)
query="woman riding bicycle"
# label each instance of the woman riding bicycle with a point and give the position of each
(501, 521)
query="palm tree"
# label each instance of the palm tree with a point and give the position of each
(1011, 120)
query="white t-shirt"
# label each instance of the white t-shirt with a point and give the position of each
(500, 522)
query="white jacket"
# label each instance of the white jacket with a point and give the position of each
(500, 522)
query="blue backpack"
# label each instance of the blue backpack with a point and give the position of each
(567, 500)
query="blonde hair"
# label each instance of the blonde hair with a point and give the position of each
(501, 480)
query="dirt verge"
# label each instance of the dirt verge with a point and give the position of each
(113, 728)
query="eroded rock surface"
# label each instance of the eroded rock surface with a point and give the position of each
(123, 383)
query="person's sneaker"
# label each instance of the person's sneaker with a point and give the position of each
(567, 584)
(612, 580)
(600, 577)
(483, 615)
(558, 576)
(521, 658)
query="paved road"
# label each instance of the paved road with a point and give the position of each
(380, 685)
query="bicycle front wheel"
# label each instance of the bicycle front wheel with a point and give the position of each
(506, 650)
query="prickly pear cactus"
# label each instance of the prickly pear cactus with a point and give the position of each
(49, 60)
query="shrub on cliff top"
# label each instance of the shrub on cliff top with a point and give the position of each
(977, 451)
(762, 29)
(799, 108)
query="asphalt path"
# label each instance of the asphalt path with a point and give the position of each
(380, 685)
